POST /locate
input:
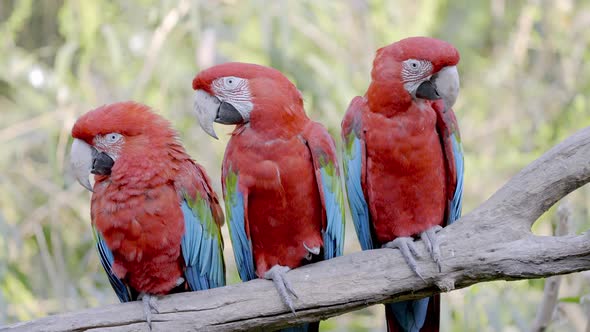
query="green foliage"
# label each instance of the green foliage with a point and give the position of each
(525, 87)
(570, 299)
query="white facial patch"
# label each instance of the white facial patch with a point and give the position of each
(235, 91)
(414, 72)
(110, 143)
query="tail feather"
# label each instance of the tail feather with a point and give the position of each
(421, 315)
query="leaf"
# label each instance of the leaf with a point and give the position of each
(570, 299)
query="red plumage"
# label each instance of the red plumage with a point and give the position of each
(283, 203)
(276, 171)
(283, 207)
(408, 175)
(137, 207)
(408, 168)
(406, 180)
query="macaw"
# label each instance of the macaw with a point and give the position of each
(156, 220)
(280, 175)
(403, 160)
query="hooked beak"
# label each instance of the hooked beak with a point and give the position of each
(85, 159)
(210, 109)
(444, 84)
(427, 90)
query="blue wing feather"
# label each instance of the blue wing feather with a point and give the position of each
(352, 157)
(333, 235)
(200, 248)
(327, 175)
(457, 201)
(106, 259)
(234, 207)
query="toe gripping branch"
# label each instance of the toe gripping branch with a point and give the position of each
(407, 246)
(278, 276)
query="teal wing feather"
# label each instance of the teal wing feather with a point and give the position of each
(202, 245)
(458, 159)
(448, 130)
(325, 162)
(235, 203)
(353, 159)
(333, 201)
(353, 165)
(105, 255)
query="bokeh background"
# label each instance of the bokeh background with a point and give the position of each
(525, 87)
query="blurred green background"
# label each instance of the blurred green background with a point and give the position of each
(525, 87)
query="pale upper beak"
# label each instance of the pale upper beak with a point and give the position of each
(210, 109)
(85, 159)
(444, 84)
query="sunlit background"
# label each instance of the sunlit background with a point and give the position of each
(525, 86)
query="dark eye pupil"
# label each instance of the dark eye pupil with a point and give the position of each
(230, 81)
(414, 65)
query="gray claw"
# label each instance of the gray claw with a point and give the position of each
(289, 287)
(149, 305)
(431, 240)
(408, 249)
(278, 277)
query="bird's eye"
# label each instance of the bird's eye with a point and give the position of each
(413, 65)
(113, 137)
(231, 82)
(414, 68)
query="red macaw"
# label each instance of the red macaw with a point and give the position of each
(155, 217)
(403, 160)
(280, 176)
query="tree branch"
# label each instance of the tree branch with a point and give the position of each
(551, 290)
(492, 242)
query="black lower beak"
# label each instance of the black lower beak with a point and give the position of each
(427, 90)
(228, 114)
(102, 164)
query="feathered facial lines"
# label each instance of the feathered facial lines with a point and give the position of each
(235, 91)
(111, 143)
(414, 72)
(121, 132)
(241, 93)
(229, 103)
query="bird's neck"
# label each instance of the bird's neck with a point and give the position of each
(282, 121)
(147, 168)
(388, 98)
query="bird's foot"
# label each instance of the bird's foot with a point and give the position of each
(408, 249)
(278, 276)
(431, 240)
(150, 306)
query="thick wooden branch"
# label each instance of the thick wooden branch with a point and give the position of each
(551, 291)
(492, 242)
